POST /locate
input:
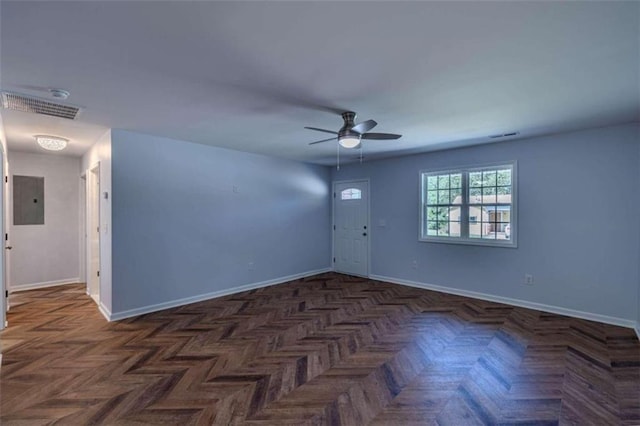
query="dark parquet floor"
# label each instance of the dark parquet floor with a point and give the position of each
(329, 349)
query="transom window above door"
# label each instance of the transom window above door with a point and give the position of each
(350, 194)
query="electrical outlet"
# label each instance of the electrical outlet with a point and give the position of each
(528, 279)
(414, 264)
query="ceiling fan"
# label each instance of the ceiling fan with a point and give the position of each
(351, 134)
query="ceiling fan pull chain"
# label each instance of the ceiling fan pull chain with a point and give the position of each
(338, 162)
(361, 148)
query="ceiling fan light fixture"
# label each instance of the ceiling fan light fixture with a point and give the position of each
(349, 141)
(51, 143)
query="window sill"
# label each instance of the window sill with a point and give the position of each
(471, 242)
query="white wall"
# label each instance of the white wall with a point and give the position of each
(578, 199)
(100, 153)
(193, 221)
(49, 253)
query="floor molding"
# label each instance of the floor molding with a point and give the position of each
(115, 316)
(43, 284)
(515, 302)
(106, 313)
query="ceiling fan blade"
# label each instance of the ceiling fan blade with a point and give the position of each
(323, 140)
(321, 130)
(381, 136)
(364, 127)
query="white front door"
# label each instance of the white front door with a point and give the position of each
(351, 227)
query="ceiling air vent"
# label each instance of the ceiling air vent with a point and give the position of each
(24, 103)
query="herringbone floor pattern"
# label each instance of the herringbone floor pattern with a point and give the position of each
(330, 349)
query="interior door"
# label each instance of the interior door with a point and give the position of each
(351, 227)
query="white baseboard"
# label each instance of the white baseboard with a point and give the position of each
(515, 302)
(106, 313)
(44, 284)
(637, 329)
(115, 316)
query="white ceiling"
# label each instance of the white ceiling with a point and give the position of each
(250, 75)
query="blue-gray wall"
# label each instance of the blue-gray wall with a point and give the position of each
(181, 230)
(578, 222)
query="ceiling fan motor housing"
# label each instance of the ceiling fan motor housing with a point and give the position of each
(349, 118)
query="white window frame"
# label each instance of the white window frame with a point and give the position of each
(512, 242)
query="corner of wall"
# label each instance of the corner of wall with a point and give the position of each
(100, 152)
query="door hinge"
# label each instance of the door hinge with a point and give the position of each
(334, 227)
(98, 273)
(334, 260)
(334, 195)
(6, 237)
(6, 179)
(6, 293)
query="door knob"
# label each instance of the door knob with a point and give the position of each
(364, 234)
(8, 247)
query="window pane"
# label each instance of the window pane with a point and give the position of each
(489, 178)
(432, 197)
(504, 214)
(443, 196)
(488, 195)
(443, 230)
(475, 195)
(443, 213)
(504, 194)
(488, 231)
(456, 196)
(503, 231)
(456, 181)
(443, 181)
(475, 224)
(432, 182)
(475, 179)
(432, 228)
(432, 213)
(351, 194)
(454, 229)
(454, 214)
(504, 177)
(503, 222)
(489, 216)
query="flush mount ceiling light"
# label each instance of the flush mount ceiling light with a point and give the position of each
(51, 143)
(59, 93)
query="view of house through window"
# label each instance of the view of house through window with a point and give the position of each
(473, 205)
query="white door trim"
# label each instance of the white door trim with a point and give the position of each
(82, 272)
(93, 202)
(333, 221)
(4, 274)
